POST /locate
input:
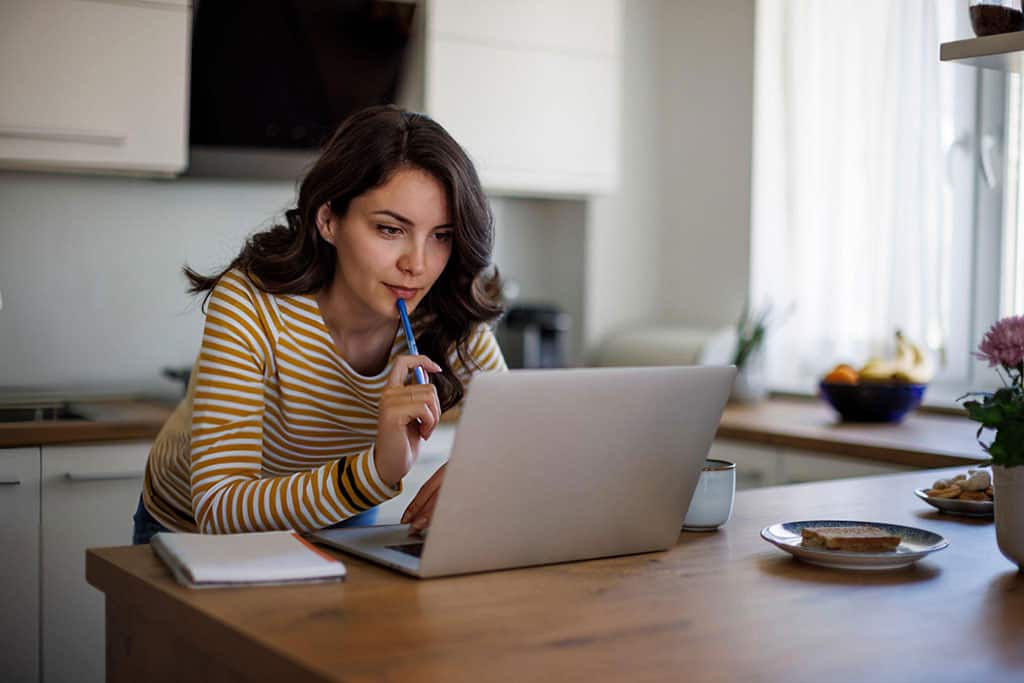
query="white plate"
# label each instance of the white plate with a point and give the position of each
(914, 544)
(955, 506)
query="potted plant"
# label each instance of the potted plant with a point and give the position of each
(750, 385)
(1002, 411)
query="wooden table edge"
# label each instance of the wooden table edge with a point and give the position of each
(184, 620)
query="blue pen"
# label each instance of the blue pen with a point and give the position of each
(411, 340)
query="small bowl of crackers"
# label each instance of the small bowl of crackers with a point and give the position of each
(967, 494)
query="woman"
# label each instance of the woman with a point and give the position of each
(299, 413)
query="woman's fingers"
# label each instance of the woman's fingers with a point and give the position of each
(409, 402)
(427, 491)
(413, 510)
(404, 365)
(422, 520)
(434, 405)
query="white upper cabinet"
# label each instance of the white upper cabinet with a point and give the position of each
(530, 88)
(94, 85)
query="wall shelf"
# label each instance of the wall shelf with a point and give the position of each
(1002, 52)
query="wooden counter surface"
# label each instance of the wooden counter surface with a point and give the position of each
(721, 606)
(110, 420)
(921, 440)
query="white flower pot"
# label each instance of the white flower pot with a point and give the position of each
(1008, 491)
(751, 385)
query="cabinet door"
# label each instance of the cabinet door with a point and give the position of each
(94, 85)
(531, 90)
(756, 465)
(89, 494)
(19, 570)
(802, 466)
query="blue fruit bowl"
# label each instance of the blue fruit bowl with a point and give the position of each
(882, 402)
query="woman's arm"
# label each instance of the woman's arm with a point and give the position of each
(228, 492)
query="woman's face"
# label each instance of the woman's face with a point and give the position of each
(393, 242)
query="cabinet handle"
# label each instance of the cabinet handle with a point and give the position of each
(62, 135)
(102, 476)
(10, 482)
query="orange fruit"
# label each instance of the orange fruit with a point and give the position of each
(842, 374)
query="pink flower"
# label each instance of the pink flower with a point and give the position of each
(1003, 343)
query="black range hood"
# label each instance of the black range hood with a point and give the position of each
(271, 79)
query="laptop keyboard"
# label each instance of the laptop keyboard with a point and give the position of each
(414, 549)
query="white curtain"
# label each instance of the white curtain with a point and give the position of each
(851, 209)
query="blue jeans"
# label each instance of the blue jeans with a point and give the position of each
(146, 525)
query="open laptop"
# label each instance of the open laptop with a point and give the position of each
(558, 465)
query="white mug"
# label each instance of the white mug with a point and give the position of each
(711, 505)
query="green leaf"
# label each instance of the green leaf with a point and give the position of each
(1004, 396)
(1007, 448)
(988, 414)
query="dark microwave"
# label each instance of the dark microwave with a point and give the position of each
(279, 75)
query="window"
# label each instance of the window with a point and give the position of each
(880, 183)
(1012, 243)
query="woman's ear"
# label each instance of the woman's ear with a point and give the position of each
(324, 223)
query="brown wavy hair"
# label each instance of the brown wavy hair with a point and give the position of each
(367, 148)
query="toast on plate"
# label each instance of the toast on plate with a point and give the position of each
(852, 538)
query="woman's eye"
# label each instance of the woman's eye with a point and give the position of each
(443, 236)
(389, 230)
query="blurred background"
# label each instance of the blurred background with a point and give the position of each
(782, 184)
(656, 167)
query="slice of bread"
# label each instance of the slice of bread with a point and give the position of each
(852, 538)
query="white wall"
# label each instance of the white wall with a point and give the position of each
(90, 271)
(90, 268)
(623, 228)
(672, 245)
(706, 105)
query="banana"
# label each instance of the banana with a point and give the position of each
(909, 365)
(912, 365)
(876, 370)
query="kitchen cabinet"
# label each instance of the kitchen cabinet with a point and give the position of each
(802, 466)
(89, 494)
(19, 570)
(530, 89)
(756, 465)
(94, 85)
(760, 465)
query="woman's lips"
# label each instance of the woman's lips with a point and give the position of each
(402, 292)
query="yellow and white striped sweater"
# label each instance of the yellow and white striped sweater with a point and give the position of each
(277, 430)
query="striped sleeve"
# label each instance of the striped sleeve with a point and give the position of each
(484, 355)
(229, 493)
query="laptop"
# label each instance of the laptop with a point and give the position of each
(554, 466)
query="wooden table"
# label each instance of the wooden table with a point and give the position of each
(723, 606)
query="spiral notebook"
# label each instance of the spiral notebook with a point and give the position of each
(263, 558)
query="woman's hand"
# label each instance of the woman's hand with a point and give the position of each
(421, 509)
(408, 412)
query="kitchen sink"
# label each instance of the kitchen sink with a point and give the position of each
(39, 412)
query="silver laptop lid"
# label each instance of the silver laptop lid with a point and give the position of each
(557, 465)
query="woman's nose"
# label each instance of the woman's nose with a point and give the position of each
(413, 261)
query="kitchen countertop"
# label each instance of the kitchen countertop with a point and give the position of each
(721, 606)
(923, 439)
(126, 418)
